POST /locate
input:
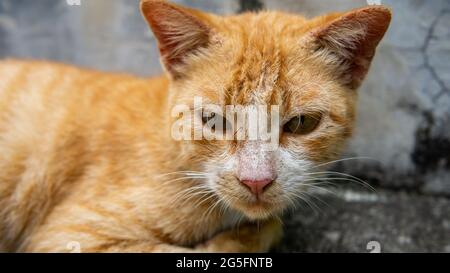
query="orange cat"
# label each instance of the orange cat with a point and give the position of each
(89, 158)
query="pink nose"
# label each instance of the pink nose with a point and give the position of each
(257, 186)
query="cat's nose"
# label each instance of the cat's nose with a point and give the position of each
(257, 186)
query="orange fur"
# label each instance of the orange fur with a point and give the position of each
(88, 157)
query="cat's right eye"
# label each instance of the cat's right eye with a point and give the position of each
(302, 125)
(208, 117)
(211, 119)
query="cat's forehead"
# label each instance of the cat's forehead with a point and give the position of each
(262, 61)
(261, 54)
(255, 76)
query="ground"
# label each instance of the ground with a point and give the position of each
(349, 220)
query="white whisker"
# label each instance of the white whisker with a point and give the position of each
(345, 159)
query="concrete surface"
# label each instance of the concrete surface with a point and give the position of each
(351, 219)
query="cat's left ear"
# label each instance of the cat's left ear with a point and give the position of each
(180, 32)
(350, 41)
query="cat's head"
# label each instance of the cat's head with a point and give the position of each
(309, 69)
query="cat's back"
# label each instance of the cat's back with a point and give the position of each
(37, 98)
(37, 84)
(38, 94)
(54, 120)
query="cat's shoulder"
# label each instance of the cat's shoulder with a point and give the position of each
(28, 75)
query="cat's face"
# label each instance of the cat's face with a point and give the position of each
(308, 70)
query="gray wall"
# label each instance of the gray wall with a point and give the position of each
(404, 112)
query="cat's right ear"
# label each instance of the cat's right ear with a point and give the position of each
(180, 32)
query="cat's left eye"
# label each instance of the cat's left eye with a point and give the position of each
(211, 119)
(303, 124)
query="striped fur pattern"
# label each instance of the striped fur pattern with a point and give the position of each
(86, 157)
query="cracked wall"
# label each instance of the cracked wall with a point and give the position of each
(404, 110)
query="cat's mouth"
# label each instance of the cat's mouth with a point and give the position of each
(262, 206)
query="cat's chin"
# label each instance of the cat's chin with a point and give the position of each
(258, 210)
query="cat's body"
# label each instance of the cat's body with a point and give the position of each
(83, 158)
(87, 157)
(58, 139)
